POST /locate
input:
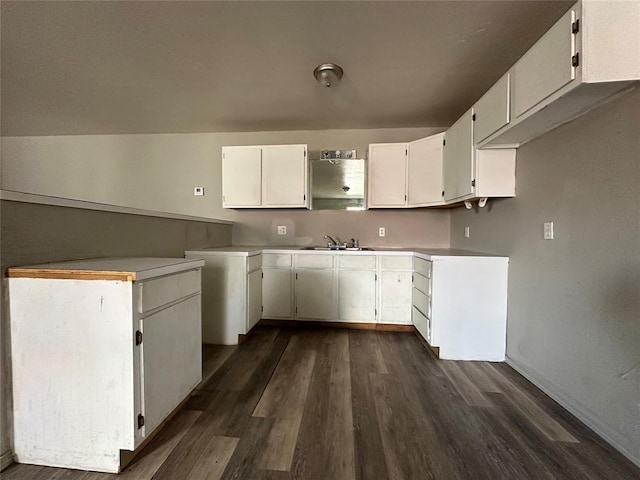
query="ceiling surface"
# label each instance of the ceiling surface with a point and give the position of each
(103, 67)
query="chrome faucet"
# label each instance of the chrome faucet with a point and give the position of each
(331, 242)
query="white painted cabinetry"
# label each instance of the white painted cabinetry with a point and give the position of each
(406, 174)
(108, 348)
(232, 299)
(270, 176)
(395, 289)
(492, 111)
(315, 289)
(387, 175)
(277, 286)
(471, 173)
(357, 277)
(465, 314)
(588, 55)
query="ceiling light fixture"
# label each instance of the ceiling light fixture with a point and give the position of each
(328, 74)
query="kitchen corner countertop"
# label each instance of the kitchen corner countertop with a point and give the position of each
(422, 252)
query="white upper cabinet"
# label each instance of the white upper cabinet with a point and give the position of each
(546, 67)
(405, 175)
(241, 176)
(424, 179)
(284, 176)
(592, 52)
(459, 158)
(272, 176)
(492, 111)
(387, 175)
(470, 173)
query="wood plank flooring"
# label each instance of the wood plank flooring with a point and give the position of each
(340, 404)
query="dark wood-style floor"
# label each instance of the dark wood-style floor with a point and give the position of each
(346, 404)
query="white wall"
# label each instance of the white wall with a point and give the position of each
(574, 302)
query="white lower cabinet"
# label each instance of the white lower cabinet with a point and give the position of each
(315, 294)
(232, 294)
(395, 289)
(277, 293)
(465, 316)
(357, 295)
(108, 348)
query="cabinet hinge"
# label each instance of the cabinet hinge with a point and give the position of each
(376, 277)
(444, 141)
(405, 198)
(262, 308)
(296, 309)
(223, 155)
(473, 183)
(473, 117)
(138, 337)
(304, 197)
(305, 154)
(140, 421)
(575, 60)
(375, 312)
(412, 279)
(406, 151)
(443, 193)
(296, 276)
(262, 274)
(575, 26)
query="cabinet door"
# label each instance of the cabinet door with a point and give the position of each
(254, 298)
(241, 176)
(357, 295)
(458, 168)
(171, 358)
(284, 176)
(276, 293)
(387, 175)
(424, 183)
(545, 68)
(314, 293)
(395, 297)
(492, 110)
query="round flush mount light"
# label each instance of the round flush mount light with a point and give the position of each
(328, 74)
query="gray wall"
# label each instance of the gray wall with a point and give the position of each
(38, 233)
(574, 302)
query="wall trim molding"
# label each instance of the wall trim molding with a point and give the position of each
(6, 459)
(14, 196)
(583, 414)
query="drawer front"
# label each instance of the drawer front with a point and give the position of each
(254, 263)
(421, 323)
(357, 262)
(422, 302)
(159, 292)
(422, 284)
(314, 261)
(394, 262)
(423, 267)
(281, 260)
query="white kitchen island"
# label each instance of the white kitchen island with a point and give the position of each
(103, 350)
(455, 299)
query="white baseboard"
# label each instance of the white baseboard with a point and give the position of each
(586, 416)
(6, 459)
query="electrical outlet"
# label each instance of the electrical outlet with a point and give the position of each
(381, 232)
(548, 230)
(198, 191)
(466, 232)
(282, 229)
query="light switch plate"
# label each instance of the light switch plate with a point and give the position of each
(282, 229)
(548, 230)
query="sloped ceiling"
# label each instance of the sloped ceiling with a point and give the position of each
(177, 66)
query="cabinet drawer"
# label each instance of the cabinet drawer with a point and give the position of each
(282, 260)
(421, 323)
(158, 292)
(314, 261)
(422, 284)
(254, 263)
(422, 302)
(423, 267)
(394, 262)
(357, 262)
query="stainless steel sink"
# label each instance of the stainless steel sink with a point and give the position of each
(340, 249)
